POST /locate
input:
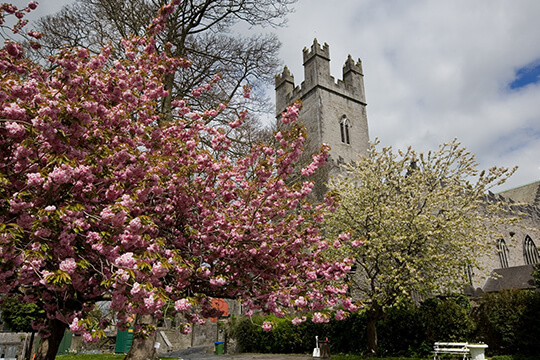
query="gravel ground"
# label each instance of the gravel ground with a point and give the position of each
(207, 353)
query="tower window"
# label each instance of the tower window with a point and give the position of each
(530, 252)
(502, 249)
(344, 127)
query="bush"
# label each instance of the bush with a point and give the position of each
(447, 318)
(287, 338)
(508, 322)
(402, 333)
(18, 316)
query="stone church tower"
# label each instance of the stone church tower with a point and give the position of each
(333, 112)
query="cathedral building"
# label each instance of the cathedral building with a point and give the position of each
(334, 112)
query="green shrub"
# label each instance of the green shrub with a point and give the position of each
(402, 333)
(447, 318)
(348, 336)
(508, 322)
(18, 316)
(287, 338)
(244, 330)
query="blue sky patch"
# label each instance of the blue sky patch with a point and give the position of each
(529, 74)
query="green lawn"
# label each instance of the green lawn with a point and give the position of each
(334, 357)
(361, 357)
(120, 357)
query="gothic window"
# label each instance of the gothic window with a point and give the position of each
(502, 249)
(344, 127)
(469, 273)
(530, 252)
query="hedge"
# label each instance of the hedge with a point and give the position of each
(507, 321)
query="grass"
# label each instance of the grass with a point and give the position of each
(120, 357)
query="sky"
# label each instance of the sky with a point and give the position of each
(437, 70)
(434, 70)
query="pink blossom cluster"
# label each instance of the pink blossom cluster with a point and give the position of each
(320, 318)
(7, 9)
(68, 265)
(182, 305)
(318, 161)
(267, 326)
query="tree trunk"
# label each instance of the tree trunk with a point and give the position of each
(373, 315)
(372, 336)
(30, 347)
(48, 347)
(144, 349)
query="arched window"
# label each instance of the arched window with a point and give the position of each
(344, 127)
(502, 249)
(469, 272)
(530, 252)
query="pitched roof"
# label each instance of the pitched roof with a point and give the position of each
(528, 194)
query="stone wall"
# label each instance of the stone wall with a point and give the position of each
(20, 340)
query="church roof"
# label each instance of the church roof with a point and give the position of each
(528, 194)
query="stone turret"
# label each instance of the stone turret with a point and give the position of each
(284, 88)
(316, 65)
(353, 77)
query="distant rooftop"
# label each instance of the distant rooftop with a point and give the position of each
(516, 277)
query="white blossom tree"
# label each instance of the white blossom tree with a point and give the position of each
(420, 217)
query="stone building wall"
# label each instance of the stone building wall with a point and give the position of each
(515, 238)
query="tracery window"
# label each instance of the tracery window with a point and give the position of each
(530, 252)
(502, 249)
(344, 127)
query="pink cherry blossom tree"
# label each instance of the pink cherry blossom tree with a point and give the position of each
(102, 198)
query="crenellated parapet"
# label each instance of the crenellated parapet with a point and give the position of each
(316, 51)
(285, 78)
(317, 76)
(351, 65)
